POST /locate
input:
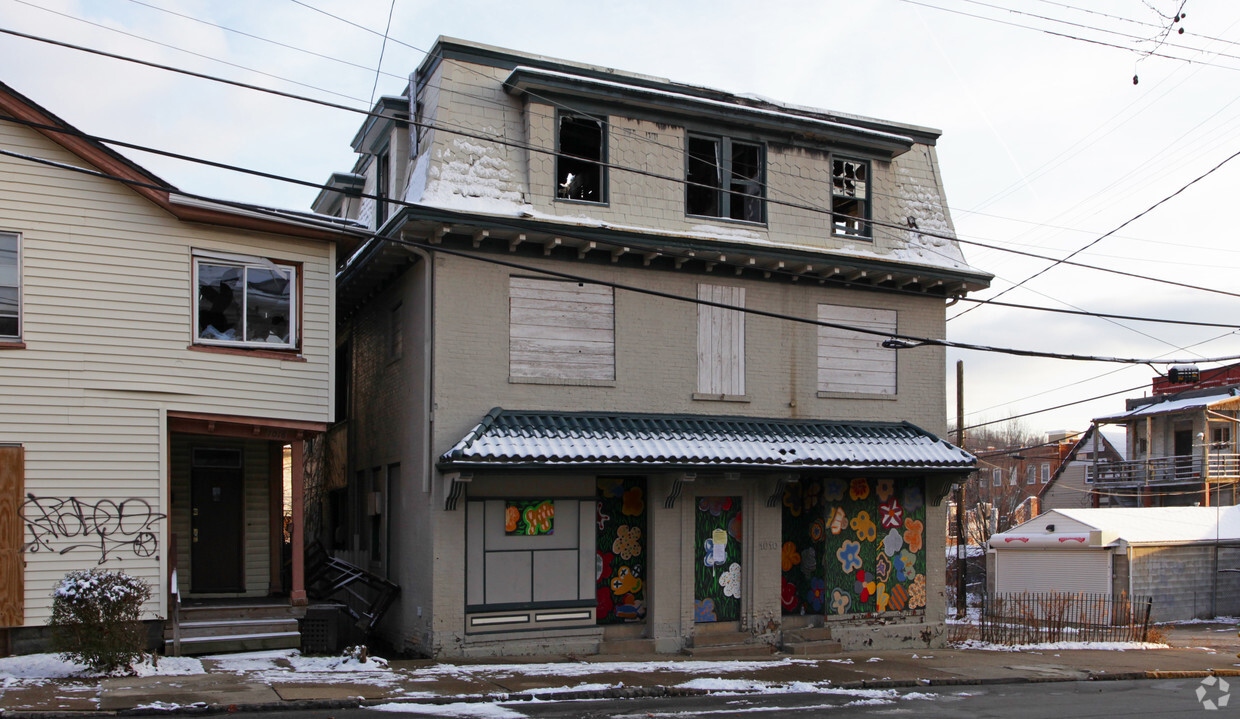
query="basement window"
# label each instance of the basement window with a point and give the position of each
(850, 198)
(245, 302)
(582, 152)
(725, 178)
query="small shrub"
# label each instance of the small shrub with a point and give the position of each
(95, 619)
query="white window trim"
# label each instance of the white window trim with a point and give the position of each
(1046, 472)
(17, 337)
(246, 261)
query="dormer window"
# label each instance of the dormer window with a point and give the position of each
(850, 198)
(582, 154)
(725, 178)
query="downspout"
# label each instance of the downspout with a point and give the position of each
(428, 354)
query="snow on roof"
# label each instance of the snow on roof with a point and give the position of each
(1150, 525)
(1175, 405)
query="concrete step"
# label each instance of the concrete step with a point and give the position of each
(236, 643)
(813, 649)
(232, 627)
(714, 639)
(808, 634)
(626, 646)
(730, 651)
(207, 612)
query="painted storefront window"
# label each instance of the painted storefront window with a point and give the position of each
(853, 546)
(529, 517)
(620, 559)
(717, 555)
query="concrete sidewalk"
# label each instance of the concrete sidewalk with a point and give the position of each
(1197, 651)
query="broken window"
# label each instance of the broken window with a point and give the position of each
(10, 286)
(383, 182)
(850, 197)
(724, 178)
(241, 303)
(582, 153)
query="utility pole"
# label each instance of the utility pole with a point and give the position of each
(962, 542)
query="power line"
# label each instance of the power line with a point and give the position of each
(382, 49)
(894, 340)
(1059, 406)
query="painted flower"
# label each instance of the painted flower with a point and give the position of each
(812, 494)
(898, 598)
(881, 598)
(610, 486)
(512, 515)
(626, 581)
(859, 489)
(890, 514)
(884, 489)
(809, 561)
(790, 557)
(734, 527)
(788, 596)
(913, 499)
(912, 534)
(599, 517)
(892, 543)
(833, 490)
(906, 566)
(840, 601)
(602, 565)
(882, 568)
(792, 498)
(633, 505)
(864, 586)
(817, 530)
(816, 595)
(849, 555)
(605, 605)
(715, 505)
(709, 560)
(628, 542)
(864, 527)
(837, 521)
(917, 593)
(731, 581)
(704, 610)
(630, 608)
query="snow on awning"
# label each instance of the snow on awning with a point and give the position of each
(575, 439)
(1170, 406)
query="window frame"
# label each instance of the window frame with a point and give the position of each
(293, 346)
(725, 192)
(996, 477)
(838, 229)
(1046, 472)
(601, 163)
(15, 340)
(1031, 475)
(383, 185)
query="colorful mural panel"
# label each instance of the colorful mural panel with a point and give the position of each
(529, 517)
(717, 555)
(620, 559)
(853, 546)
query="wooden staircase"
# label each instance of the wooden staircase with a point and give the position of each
(810, 641)
(213, 627)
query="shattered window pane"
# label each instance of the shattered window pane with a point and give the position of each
(219, 302)
(724, 179)
(579, 169)
(9, 282)
(850, 197)
(746, 200)
(705, 178)
(246, 304)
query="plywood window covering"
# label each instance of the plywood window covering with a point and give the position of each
(12, 488)
(721, 341)
(561, 330)
(854, 362)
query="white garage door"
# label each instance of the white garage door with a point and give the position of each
(1053, 570)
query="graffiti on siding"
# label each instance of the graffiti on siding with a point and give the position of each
(106, 525)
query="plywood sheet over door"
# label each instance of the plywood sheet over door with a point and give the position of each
(12, 487)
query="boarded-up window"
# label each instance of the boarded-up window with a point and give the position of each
(721, 341)
(12, 484)
(561, 330)
(855, 362)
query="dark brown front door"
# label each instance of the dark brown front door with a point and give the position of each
(216, 513)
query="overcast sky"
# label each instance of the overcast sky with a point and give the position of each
(1047, 143)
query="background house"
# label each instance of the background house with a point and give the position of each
(160, 357)
(1071, 486)
(1183, 557)
(566, 429)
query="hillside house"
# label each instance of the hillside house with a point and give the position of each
(624, 369)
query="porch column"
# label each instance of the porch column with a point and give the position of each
(297, 593)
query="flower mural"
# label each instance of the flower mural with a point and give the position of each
(912, 534)
(817, 531)
(704, 610)
(816, 595)
(628, 542)
(610, 487)
(731, 581)
(892, 543)
(882, 568)
(602, 565)
(864, 586)
(890, 514)
(600, 517)
(792, 499)
(849, 555)
(810, 496)
(917, 592)
(715, 505)
(809, 562)
(881, 597)
(838, 521)
(630, 608)
(913, 498)
(840, 601)
(884, 489)
(833, 490)
(790, 557)
(788, 597)
(712, 558)
(864, 527)
(626, 581)
(906, 566)
(859, 489)
(632, 504)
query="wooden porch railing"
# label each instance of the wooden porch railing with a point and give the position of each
(1177, 469)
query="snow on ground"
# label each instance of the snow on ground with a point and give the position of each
(1215, 620)
(458, 709)
(168, 667)
(577, 669)
(1050, 646)
(35, 668)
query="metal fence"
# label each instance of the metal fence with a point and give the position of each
(1036, 617)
